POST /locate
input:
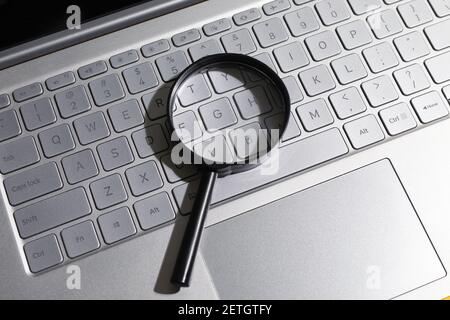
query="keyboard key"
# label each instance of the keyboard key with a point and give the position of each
(59, 81)
(291, 57)
(252, 102)
(91, 128)
(225, 79)
(380, 57)
(438, 67)
(18, 154)
(411, 79)
(175, 173)
(150, 141)
(380, 91)
(255, 140)
(440, 7)
(239, 42)
(124, 58)
(291, 131)
(276, 6)
(415, 13)
(144, 178)
(332, 11)
(204, 49)
(140, 78)
(270, 32)
(187, 126)
(9, 125)
(438, 39)
(216, 27)
(267, 60)
(52, 212)
(315, 115)
(218, 114)
(154, 211)
(397, 119)
(106, 89)
(92, 70)
(155, 103)
(429, 107)
(364, 132)
(246, 16)
(43, 253)
(293, 88)
(4, 101)
(349, 68)
(38, 114)
(56, 140)
(80, 166)
(126, 115)
(214, 149)
(347, 103)
(194, 89)
(317, 80)
(185, 195)
(108, 191)
(302, 21)
(72, 102)
(411, 46)
(155, 48)
(171, 65)
(80, 239)
(115, 153)
(385, 24)
(28, 92)
(362, 6)
(116, 225)
(33, 183)
(323, 45)
(354, 34)
(186, 37)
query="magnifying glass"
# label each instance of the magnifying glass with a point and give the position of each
(228, 113)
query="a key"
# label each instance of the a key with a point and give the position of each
(411, 46)
(438, 67)
(171, 65)
(72, 102)
(293, 87)
(91, 128)
(429, 107)
(185, 195)
(380, 57)
(43, 253)
(354, 34)
(4, 101)
(380, 91)
(246, 16)
(187, 125)
(150, 141)
(33, 183)
(363, 132)
(52, 212)
(439, 39)
(144, 178)
(140, 78)
(38, 114)
(291, 57)
(300, 2)
(80, 166)
(186, 37)
(28, 92)
(270, 32)
(106, 90)
(108, 191)
(411, 79)
(126, 115)
(415, 13)
(154, 211)
(92, 70)
(215, 150)
(276, 6)
(56, 141)
(18, 154)
(332, 11)
(397, 119)
(266, 59)
(205, 49)
(252, 102)
(155, 103)
(440, 7)
(347, 103)
(216, 27)
(80, 239)
(249, 140)
(323, 45)
(349, 68)
(302, 21)
(124, 58)
(115, 153)
(224, 80)
(61, 80)
(177, 172)
(116, 225)
(317, 80)
(194, 89)
(385, 24)
(315, 115)
(9, 125)
(362, 6)
(218, 114)
(155, 48)
(239, 41)
(291, 131)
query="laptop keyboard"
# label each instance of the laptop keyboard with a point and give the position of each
(84, 155)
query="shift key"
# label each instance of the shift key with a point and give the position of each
(33, 183)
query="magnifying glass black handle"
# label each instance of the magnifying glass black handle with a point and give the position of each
(188, 251)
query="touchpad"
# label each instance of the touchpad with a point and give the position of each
(356, 236)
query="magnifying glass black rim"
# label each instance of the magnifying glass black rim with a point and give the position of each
(247, 62)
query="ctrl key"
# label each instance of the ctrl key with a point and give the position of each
(43, 253)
